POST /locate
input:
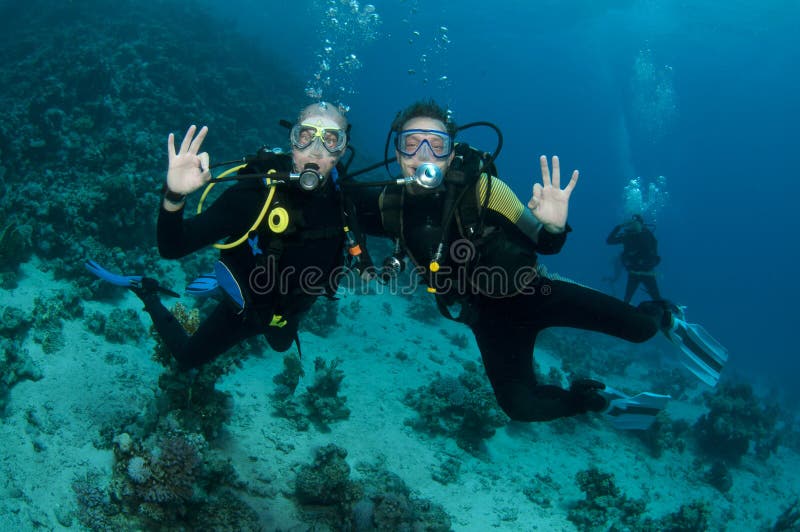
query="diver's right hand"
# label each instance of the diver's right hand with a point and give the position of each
(188, 170)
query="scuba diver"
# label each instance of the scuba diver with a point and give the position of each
(282, 218)
(475, 246)
(639, 256)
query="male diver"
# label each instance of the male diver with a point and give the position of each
(475, 246)
(639, 256)
(282, 218)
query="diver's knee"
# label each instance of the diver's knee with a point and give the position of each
(280, 344)
(643, 334)
(280, 340)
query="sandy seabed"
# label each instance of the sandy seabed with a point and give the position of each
(47, 437)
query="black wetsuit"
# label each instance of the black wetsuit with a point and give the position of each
(312, 243)
(639, 256)
(506, 327)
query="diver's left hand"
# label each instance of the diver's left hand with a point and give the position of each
(550, 203)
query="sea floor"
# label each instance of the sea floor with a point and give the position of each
(49, 434)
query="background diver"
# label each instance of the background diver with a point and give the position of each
(639, 256)
(273, 231)
(455, 220)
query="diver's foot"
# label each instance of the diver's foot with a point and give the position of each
(146, 289)
(586, 396)
(663, 311)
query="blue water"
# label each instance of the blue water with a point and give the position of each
(559, 78)
(702, 93)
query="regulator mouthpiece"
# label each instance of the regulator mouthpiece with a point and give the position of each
(310, 179)
(428, 175)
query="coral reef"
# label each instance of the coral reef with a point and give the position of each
(15, 366)
(604, 507)
(63, 163)
(719, 476)
(392, 507)
(190, 396)
(326, 481)
(736, 420)
(48, 315)
(167, 475)
(95, 509)
(15, 248)
(193, 401)
(14, 323)
(689, 517)
(447, 472)
(166, 483)
(320, 404)
(664, 434)
(322, 398)
(122, 326)
(379, 501)
(286, 381)
(541, 490)
(462, 408)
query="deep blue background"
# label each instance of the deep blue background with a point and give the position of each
(556, 77)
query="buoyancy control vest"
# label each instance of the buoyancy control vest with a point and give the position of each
(293, 256)
(485, 252)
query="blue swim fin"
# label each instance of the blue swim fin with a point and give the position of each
(632, 413)
(204, 286)
(703, 354)
(127, 281)
(133, 282)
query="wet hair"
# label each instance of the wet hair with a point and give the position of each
(426, 109)
(323, 109)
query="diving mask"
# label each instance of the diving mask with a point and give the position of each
(333, 139)
(440, 144)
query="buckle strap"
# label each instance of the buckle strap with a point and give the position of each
(277, 321)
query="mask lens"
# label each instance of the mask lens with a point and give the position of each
(410, 141)
(332, 139)
(302, 137)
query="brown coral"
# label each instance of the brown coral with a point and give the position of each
(189, 319)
